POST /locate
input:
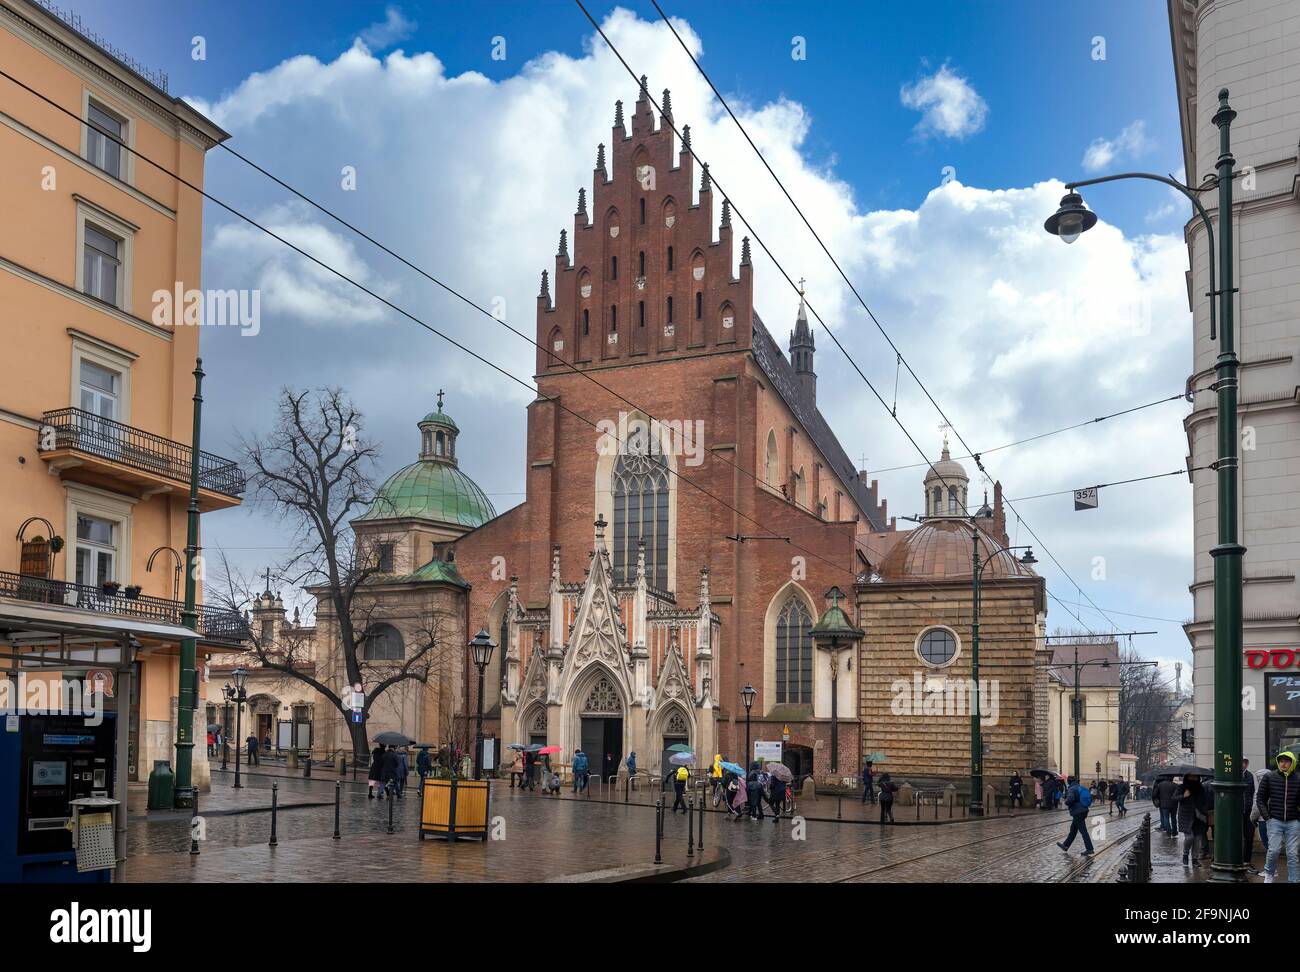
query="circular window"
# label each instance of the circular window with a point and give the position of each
(937, 647)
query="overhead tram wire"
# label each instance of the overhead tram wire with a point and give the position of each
(404, 313)
(777, 263)
(843, 276)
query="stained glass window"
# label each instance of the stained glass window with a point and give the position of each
(602, 699)
(794, 654)
(640, 488)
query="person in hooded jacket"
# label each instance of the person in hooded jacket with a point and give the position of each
(717, 779)
(1016, 790)
(887, 791)
(581, 765)
(1195, 802)
(1278, 797)
(755, 784)
(375, 776)
(775, 796)
(868, 791)
(1077, 800)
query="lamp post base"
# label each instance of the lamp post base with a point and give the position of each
(1230, 873)
(975, 809)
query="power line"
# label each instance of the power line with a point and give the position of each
(1121, 482)
(847, 281)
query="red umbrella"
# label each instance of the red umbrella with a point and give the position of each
(547, 750)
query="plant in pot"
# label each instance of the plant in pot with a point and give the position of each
(132, 592)
(110, 588)
(56, 544)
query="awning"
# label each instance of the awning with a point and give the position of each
(49, 636)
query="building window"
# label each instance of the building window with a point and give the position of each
(952, 500)
(386, 558)
(100, 390)
(1079, 708)
(96, 550)
(640, 488)
(105, 133)
(670, 258)
(613, 319)
(640, 309)
(603, 699)
(1282, 716)
(770, 465)
(643, 215)
(613, 268)
(102, 265)
(699, 305)
(383, 643)
(586, 321)
(794, 668)
(268, 632)
(670, 310)
(937, 647)
(938, 500)
(641, 263)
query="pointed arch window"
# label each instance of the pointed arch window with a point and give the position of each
(794, 654)
(677, 725)
(586, 321)
(603, 699)
(670, 310)
(640, 488)
(770, 464)
(670, 258)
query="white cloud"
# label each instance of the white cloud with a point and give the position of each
(387, 32)
(473, 179)
(948, 104)
(1131, 143)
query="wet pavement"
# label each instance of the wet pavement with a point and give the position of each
(547, 838)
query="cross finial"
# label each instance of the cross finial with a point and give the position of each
(835, 594)
(944, 427)
(864, 461)
(268, 579)
(440, 394)
(801, 283)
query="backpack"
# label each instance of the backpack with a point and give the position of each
(1083, 798)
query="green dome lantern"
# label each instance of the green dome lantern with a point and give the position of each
(433, 487)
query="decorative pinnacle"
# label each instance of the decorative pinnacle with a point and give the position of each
(686, 138)
(618, 114)
(744, 252)
(546, 286)
(582, 203)
(600, 156)
(644, 94)
(705, 182)
(726, 212)
(563, 251)
(667, 105)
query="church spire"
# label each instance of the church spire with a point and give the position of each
(726, 212)
(582, 204)
(706, 182)
(666, 107)
(686, 138)
(744, 252)
(563, 251)
(644, 93)
(545, 292)
(802, 349)
(600, 160)
(618, 114)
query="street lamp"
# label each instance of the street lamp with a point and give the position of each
(238, 697)
(976, 807)
(747, 696)
(832, 633)
(1228, 552)
(481, 646)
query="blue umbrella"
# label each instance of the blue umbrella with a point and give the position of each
(682, 759)
(732, 768)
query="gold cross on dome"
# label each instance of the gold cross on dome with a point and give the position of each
(440, 394)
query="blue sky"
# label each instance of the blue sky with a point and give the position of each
(1014, 333)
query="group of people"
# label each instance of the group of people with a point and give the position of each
(1270, 807)
(527, 768)
(389, 768)
(886, 787)
(743, 794)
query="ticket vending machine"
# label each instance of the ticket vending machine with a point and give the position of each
(46, 761)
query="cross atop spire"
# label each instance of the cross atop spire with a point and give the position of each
(440, 394)
(802, 281)
(944, 427)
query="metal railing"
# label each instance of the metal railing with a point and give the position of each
(1137, 865)
(75, 428)
(214, 624)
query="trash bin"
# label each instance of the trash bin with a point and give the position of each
(162, 786)
(291, 759)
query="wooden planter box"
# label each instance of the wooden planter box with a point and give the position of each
(452, 809)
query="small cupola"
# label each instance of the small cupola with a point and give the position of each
(438, 435)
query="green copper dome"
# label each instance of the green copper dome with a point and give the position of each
(431, 490)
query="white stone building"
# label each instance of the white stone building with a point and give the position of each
(1252, 48)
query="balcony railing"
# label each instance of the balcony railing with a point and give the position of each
(214, 624)
(75, 428)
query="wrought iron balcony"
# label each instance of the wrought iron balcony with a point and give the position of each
(72, 438)
(214, 624)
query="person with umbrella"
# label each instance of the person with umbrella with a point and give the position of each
(779, 776)
(680, 778)
(887, 791)
(868, 792)
(1195, 803)
(375, 776)
(517, 767)
(530, 769)
(1165, 797)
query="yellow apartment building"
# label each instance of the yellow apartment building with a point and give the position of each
(96, 410)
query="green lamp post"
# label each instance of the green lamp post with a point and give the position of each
(1068, 222)
(832, 633)
(187, 696)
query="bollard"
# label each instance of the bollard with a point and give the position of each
(918, 806)
(392, 797)
(627, 786)
(306, 769)
(338, 793)
(936, 809)
(839, 808)
(659, 829)
(700, 843)
(343, 766)
(690, 827)
(275, 801)
(194, 837)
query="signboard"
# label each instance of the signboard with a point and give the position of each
(101, 681)
(356, 716)
(785, 734)
(1085, 499)
(767, 751)
(489, 752)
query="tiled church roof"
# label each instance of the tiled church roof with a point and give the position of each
(780, 373)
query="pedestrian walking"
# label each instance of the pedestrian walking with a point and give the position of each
(530, 772)
(887, 791)
(1038, 794)
(390, 770)
(580, 767)
(868, 790)
(375, 776)
(252, 750)
(717, 778)
(776, 797)
(1195, 804)
(1248, 822)
(1077, 801)
(423, 763)
(680, 779)
(739, 802)
(1016, 788)
(212, 743)
(1278, 798)
(631, 765)
(758, 782)
(1121, 794)
(403, 770)
(1112, 789)
(1164, 795)
(517, 770)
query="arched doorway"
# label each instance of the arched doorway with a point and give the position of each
(601, 726)
(799, 759)
(676, 730)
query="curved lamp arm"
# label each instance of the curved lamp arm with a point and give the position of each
(1187, 191)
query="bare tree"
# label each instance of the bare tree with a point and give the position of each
(315, 470)
(1146, 711)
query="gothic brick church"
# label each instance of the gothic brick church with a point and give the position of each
(631, 594)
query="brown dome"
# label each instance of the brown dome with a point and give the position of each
(940, 549)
